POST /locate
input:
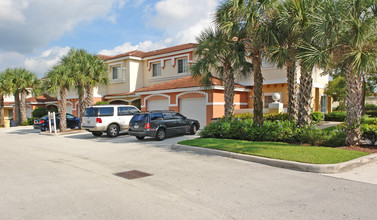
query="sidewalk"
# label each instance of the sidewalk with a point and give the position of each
(327, 124)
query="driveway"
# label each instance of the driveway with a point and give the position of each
(72, 177)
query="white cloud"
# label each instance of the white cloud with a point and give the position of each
(181, 22)
(12, 11)
(26, 25)
(48, 58)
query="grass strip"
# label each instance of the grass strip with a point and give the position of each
(278, 150)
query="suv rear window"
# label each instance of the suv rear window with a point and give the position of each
(139, 117)
(95, 112)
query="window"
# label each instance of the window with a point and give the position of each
(127, 111)
(10, 113)
(167, 116)
(179, 116)
(267, 100)
(156, 69)
(156, 116)
(94, 112)
(116, 72)
(68, 116)
(182, 65)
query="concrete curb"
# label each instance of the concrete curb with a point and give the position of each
(62, 134)
(307, 167)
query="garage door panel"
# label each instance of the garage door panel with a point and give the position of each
(157, 105)
(194, 108)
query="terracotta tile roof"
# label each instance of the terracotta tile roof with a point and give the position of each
(119, 94)
(185, 82)
(142, 54)
(41, 98)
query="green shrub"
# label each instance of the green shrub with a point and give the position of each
(369, 132)
(335, 138)
(370, 107)
(317, 117)
(102, 103)
(276, 116)
(371, 113)
(335, 116)
(25, 123)
(30, 121)
(39, 112)
(246, 115)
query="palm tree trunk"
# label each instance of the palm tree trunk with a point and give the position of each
(81, 105)
(2, 112)
(17, 107)
(229, 92)
(258, 88)
(353, 108)
(23, 106)
(363, 98)
(63, 109)
(89, 96)
(305, 99)
(292, 91)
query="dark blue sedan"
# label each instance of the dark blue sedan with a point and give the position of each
(42, 123)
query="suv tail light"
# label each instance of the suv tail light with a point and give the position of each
(147, 126)
(98, 120)
(41, 121)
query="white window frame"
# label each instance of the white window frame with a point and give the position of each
(119, 71)
(184, 65)
(156, 66)
(121, 74)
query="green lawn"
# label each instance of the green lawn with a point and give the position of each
(278, 150)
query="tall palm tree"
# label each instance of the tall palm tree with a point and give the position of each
(23, 82)
(349, 29)
(217, 52)
(5, 89)
(287, 27)
(97, 75)
(59, 79)
(248, 21)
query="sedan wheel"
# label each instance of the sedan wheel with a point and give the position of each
(97, 133)
(161, 134)
(193, 129)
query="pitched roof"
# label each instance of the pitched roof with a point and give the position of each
(41, 98)
(185, 82)
(142, 54)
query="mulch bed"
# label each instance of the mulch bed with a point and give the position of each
(364, 148)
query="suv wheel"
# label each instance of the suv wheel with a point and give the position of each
(112, 130)
(97, 133)
(161, 134)
(193, 129)
(140, 137)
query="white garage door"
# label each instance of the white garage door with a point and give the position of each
(158, 105)
(194, 108)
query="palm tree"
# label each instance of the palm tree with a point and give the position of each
(248, 21)
(349, 29)
(23, 82)
(5, 89)
(59, 79)
(217, 52)
(287, 27)
(97, 75)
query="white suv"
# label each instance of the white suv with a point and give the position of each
(108, 118)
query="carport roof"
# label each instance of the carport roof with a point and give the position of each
(41, 98)
(184, 82)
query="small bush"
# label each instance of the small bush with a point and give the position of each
(246, 115)
(371, 113)
(276, 116)
(102, 103)
(335, 138)
(317, 117)
(370, 107)
(30, 121)
(25, 123)
(39, 112)
(335, 116)
(369, 132)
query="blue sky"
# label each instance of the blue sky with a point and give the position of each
(36, 33)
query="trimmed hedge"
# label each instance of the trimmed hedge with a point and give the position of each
(39, 112)
(317, 117)
(371, 113)
(335, 116)
(102, 103)
(370, 107)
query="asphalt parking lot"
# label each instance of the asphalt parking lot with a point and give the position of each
(73, 177)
